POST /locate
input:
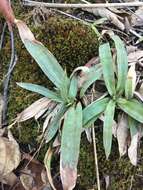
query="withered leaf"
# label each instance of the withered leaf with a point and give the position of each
(122, 134)
(132, 151)
(33, 109)
(103, 12)
(9, 155)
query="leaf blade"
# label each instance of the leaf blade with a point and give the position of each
(133, 108)
(92, 76)
(70, 146)
(122, 63)
(55, 124)
(41, 90)
(73, 87)
(94, 109)
(108, 72)
(46, 61)
(33, 109)
(107, 127)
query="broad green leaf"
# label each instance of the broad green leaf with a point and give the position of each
(122, 63)
(91, 122)
(64, 89)
(107, 127)
(93, 75)
(70, 145)
(46, 61)
(133, 124)
(132, 107)
(107, 64)
(73, 87)
(41, 90)
(94, 109)
(54, 125)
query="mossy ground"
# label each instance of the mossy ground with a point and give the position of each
(73, 44)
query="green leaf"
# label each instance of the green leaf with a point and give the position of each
(132, 107)
(122, 63)
(73, 87)
(70, 145)
(94, 109)
(64, 90)
(91, 122)
(55, 124)
(107, 127)
(93, 75)
(107, 63)
(40, 90)
(133, 124)
(46, 61)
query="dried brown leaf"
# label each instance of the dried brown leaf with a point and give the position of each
(132, 151)
(50, 117)
(139, 93)
(47, 162)
(135, 56)
(27, 179)
(137, 18)
(9, 179)
(122, 134)
(107, 181)
(132, 76)
(88, 134)
(24, 32)
(103, 12)
(9, 155)
(33, 109)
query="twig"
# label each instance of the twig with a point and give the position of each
(71, 16)
(93, 5)
(13, 61)
(132, 178)
(94, 146)
(95, 157)
(2, 35)
(37, 151)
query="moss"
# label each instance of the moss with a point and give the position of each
(72, 43)
(120, 171)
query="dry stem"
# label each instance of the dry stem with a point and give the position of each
(93, 5)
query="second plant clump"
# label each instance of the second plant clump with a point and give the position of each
(64, 109)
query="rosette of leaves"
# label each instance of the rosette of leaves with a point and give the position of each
(120, 83)
(63, 106)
